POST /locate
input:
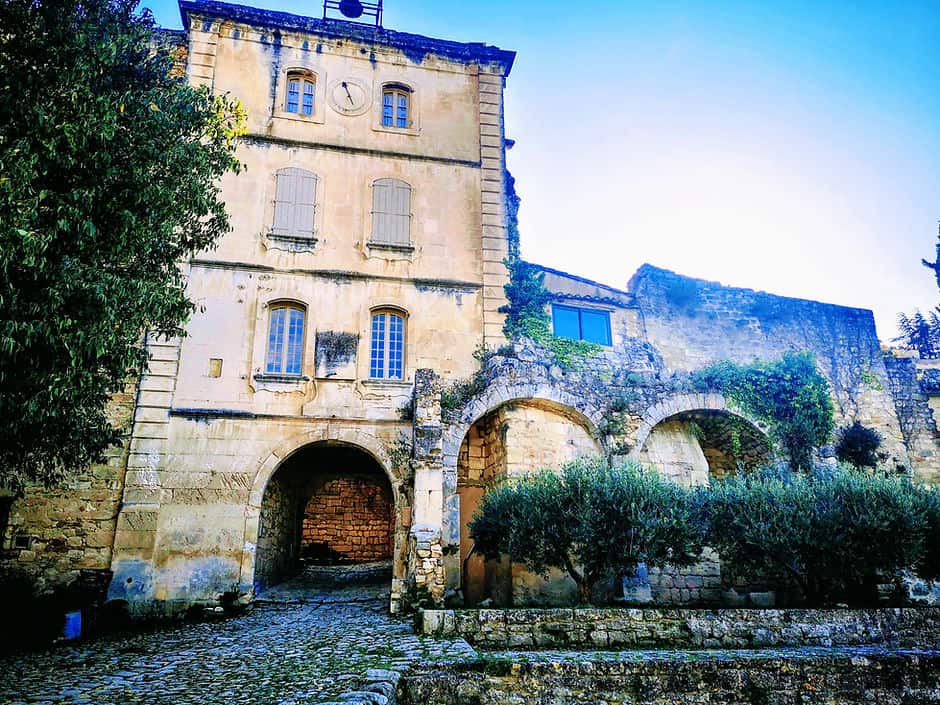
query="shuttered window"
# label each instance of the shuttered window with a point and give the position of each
(391, 212)
(285, 340)
(387, 352)
(294, 203)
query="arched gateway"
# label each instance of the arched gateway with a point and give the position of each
(321, 501)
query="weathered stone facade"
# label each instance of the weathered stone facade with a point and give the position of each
(228, 448)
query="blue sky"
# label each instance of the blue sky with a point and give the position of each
(792, 147)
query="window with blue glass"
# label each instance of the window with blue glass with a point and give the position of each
(396, 106)
(285, 340)
(387, 351)
(581, 324)
(301, 88)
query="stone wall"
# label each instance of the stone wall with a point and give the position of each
(277, 532)
(693, 323)
(54, 533)
(684, 628)
(915, 416)
(847, 678)
(351, 516)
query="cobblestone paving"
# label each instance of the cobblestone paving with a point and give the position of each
(298, 650)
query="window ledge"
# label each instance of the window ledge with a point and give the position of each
(269, 378)
(408, 131)
(389, 383)
(390, 246)
(291, 243)
(317, 117)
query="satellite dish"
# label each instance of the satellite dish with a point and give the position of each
(351, 8)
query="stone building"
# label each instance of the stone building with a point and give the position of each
(330, 402)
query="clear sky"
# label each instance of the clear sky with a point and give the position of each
(789, 146)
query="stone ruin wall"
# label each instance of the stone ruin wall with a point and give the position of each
(693, 323)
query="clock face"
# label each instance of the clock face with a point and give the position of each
(349, 97)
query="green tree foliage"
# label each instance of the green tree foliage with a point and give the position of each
(928, 567)
(789, 395)
(590, 520)
(833, 532)
(109, 171)
(920, 333)
(858, 445)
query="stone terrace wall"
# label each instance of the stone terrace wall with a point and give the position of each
(693, 323)
(847, 679)
(684, 628)
(55, 533)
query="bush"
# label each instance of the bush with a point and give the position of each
(928, 567)
(858, 445)
(835, 532)
(590, 520)
(789, 395)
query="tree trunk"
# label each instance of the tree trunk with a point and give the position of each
(581, 580)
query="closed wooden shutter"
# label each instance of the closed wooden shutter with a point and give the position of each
(295, 201)
(391, 212)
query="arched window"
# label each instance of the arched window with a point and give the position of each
(295, 199)
(396, 106)
(387, 352)
(285, 340)
(301, 88)
(391, 212)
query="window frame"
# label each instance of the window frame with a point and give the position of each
(399, 89)
(305, 76)
(384, 365)
(291, 346)
(579, 310)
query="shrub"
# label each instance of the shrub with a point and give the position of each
(928, 567)
(590, 520)
(790, 395)
(833, 532)
(858, 445)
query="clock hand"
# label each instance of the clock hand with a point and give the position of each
(348, 94)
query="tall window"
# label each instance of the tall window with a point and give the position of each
(581, 324)
(396, 106)
(295, 200)
(391, 212)
(285, 340)
(388, 345)
(301, 88)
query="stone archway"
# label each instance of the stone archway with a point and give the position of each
(322, 473)
(509, 429)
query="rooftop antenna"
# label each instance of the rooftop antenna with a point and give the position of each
(353, 10)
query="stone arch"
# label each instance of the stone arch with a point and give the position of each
(692, 438)
(268, 464)
(679, 403)
(500, 393)
(547, 394)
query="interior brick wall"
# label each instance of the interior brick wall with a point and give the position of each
(351, 516)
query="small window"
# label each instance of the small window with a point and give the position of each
(301, 88)
(285, 340)
(391, 212)
(581, 324)
(396, 106)
(295, 198)
(387, 357)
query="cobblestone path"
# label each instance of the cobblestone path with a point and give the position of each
(283, 653)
